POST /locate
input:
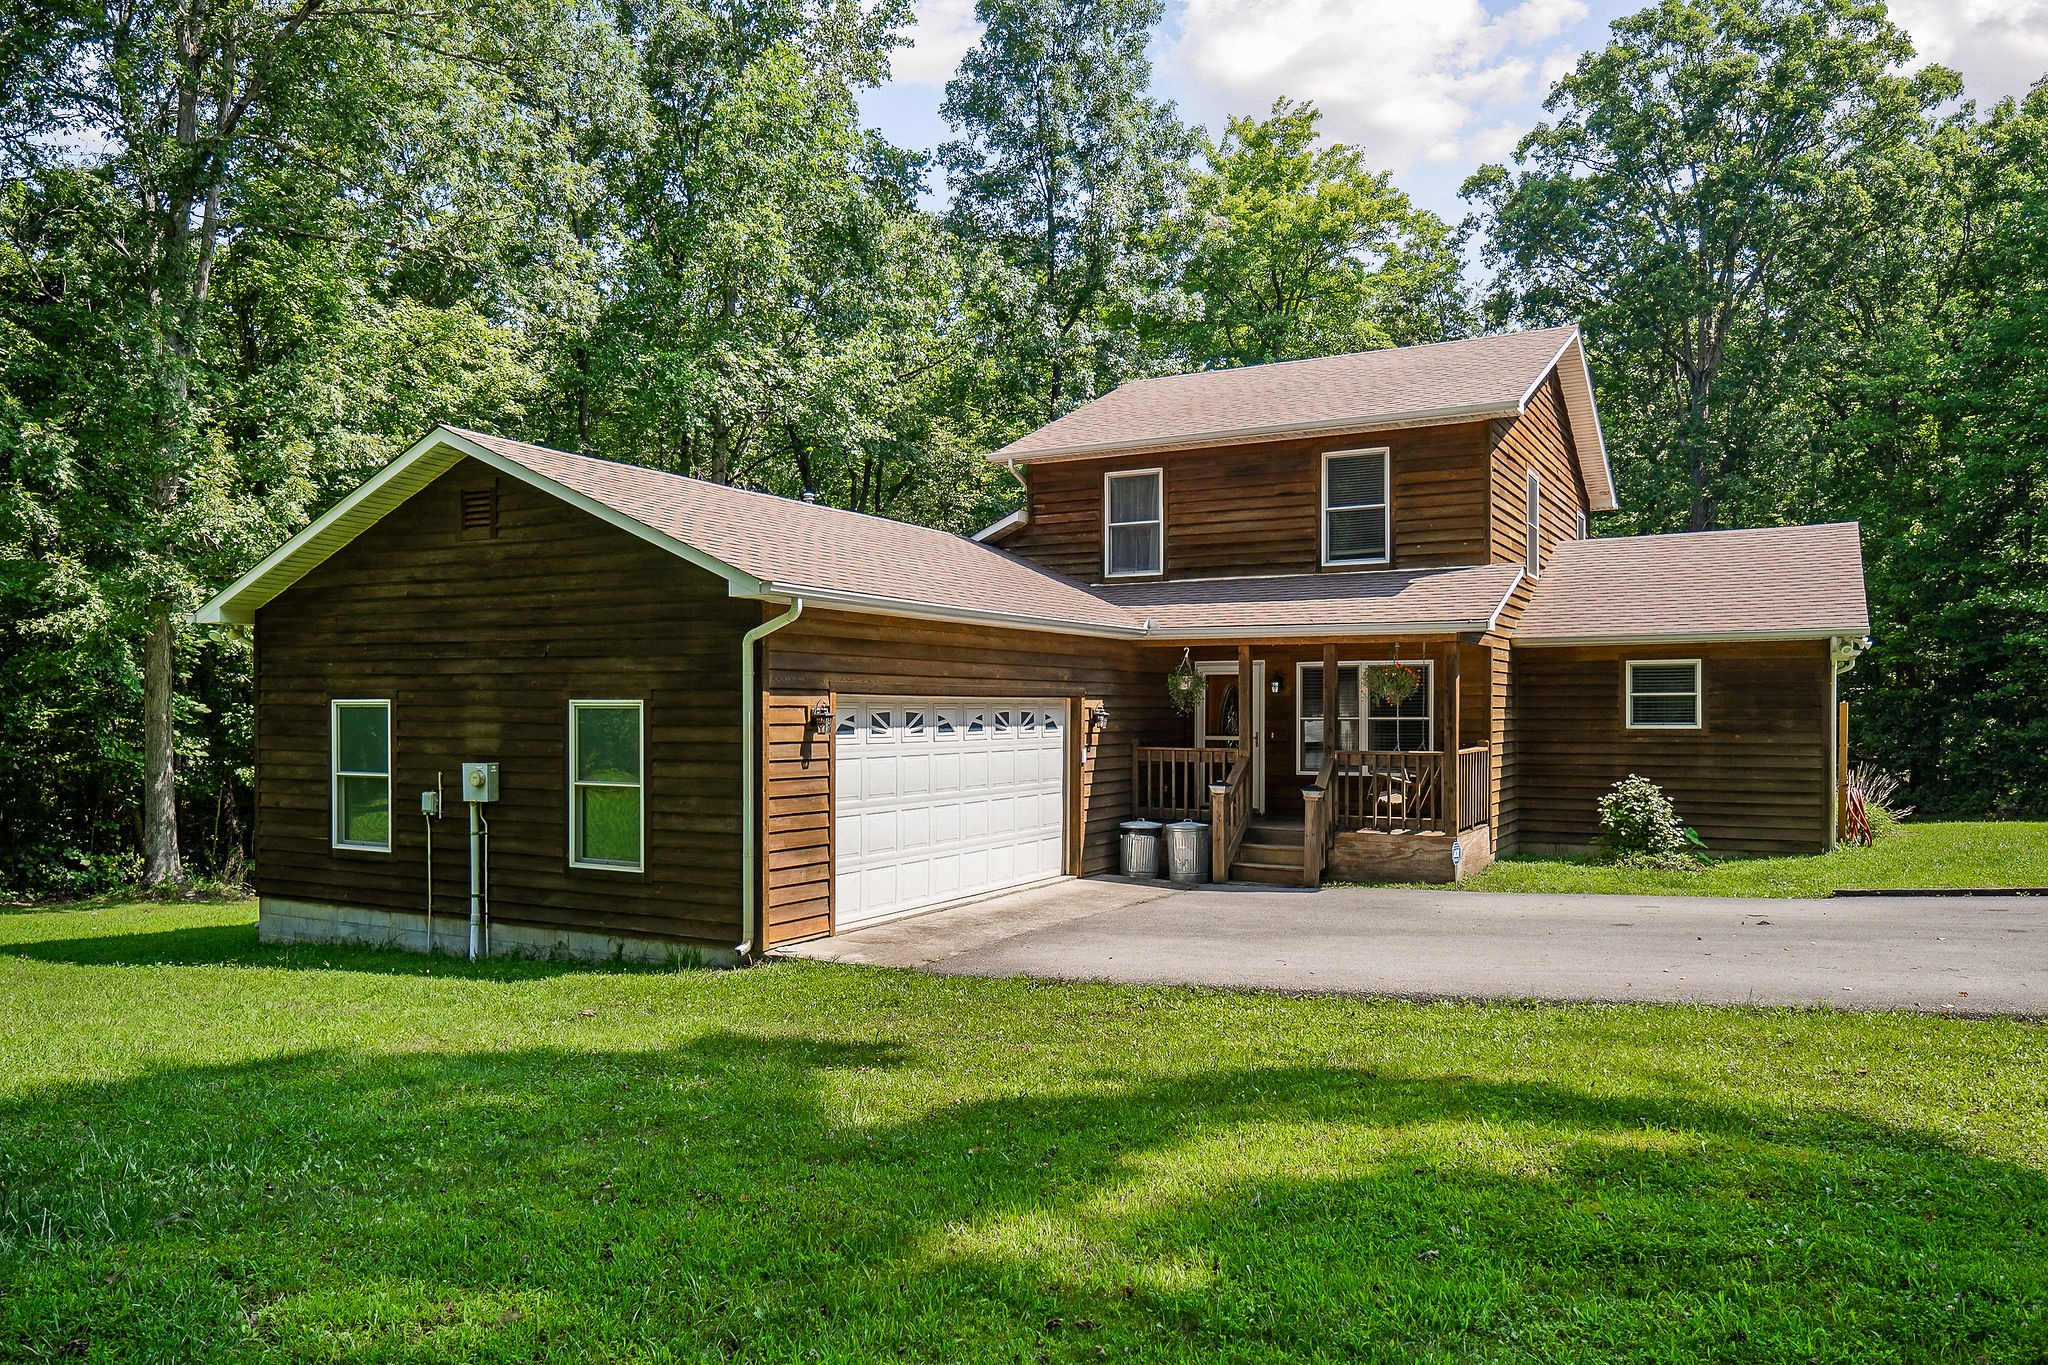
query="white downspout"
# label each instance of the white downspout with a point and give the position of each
(750, 795)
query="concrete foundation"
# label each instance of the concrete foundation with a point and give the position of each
(286, 921)
(1373, 856)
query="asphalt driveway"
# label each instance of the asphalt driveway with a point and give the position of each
(1940, 954)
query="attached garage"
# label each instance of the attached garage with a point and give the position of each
(941, 798)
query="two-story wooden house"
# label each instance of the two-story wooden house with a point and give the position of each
(729, 720)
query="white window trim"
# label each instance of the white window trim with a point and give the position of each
(1159, 565)
(1532, 525)
(1301, 668)
(640, 787)
(1385, 505)
(1584, 525)
(1699, 696)
(335, 773)
(1428, 667)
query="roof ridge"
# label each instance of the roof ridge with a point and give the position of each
(1410, 349)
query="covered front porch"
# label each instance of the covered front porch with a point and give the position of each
(1389, 773)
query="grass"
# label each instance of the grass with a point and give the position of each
(1918, 855)
(211, 1149)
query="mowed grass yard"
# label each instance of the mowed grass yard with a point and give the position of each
(211, 1150)
(1932, 855)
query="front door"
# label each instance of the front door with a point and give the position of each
(1221, 717)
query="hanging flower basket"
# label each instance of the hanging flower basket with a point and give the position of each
(1185, 687)
(1392, 684)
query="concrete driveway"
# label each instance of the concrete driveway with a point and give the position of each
(1951, 955)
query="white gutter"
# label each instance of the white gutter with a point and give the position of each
(926, 611)
(750, 798)
(1359, 629)
(1679, 638)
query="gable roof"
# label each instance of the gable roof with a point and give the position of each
(1393, 601)
(763, 546)
(1781, 582)
(1477, 379)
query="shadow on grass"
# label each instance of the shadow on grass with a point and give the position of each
(236, 945)
(790, 1197)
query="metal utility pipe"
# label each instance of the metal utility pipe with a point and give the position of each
(476, 873)
(750, 796)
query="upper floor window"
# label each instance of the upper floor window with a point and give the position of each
(606, 821)
(1664, 694)
(1357, 527)
(1532, 530)
(361, 771)
(1134, 542)
(1583, 525)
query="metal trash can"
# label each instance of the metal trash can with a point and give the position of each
(1140, 848)
(1187, 852)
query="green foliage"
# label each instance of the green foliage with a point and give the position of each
(1639, 826)
(1061, 165)
(1293, 247)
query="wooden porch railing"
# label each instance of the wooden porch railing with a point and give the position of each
(1173, 784)
(1385, 790)
(1230, 815)
(1317, 833)
(1475, 786)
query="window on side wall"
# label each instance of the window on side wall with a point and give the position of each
(360, 753)
(1407, 725)
(1357, 520)
(607, 818)
(1584, 525)
(1134, 513)
(1663, 694)
(1532, 526)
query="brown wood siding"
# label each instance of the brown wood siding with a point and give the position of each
(1754, 780)
(1257, 509)
(480, 643)
(829, 654)
(1539, 439)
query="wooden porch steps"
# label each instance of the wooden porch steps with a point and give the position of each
(1271, 852)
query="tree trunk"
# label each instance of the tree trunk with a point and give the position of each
(161, 864)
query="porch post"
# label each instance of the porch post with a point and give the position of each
(1448, 777)
(1248, 706)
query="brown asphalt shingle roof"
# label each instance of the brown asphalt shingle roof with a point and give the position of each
(794, 544)
(1485, 376)
(1783, 581)
(1410, 599)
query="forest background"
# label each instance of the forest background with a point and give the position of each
(251, 249)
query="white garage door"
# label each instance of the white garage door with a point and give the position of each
(938, 799)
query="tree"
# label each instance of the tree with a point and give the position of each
(147, 147)
(1290, 248)
(1060, 165)
(1707, 175)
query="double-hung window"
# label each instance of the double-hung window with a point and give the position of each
(1134, 516)
(606, 768)
(360, 764)
(1663, 694)
(1532, 526)
(1357, 525)
(1406, 725)
(1364, 721)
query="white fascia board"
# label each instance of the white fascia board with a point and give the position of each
(927, 611)
(1735, 637)
(1581, 377)
(1002, 525)
(385, 491)
(1344, 630)
(1427, 417)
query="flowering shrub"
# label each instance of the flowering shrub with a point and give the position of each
(1639, 825)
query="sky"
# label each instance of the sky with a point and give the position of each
(1431, 89)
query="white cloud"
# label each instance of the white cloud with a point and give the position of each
(942, 35)
(1406, 80)
(2000, 46)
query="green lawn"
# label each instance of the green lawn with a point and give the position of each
(1931, 855)
(214, 1150)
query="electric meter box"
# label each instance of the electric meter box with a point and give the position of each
(479, 781)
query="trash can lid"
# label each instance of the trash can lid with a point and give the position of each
(1140, 826)
(1189, 824)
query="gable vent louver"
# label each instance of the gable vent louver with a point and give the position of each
(480, 511)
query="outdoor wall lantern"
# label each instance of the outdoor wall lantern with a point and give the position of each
(821, 719)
